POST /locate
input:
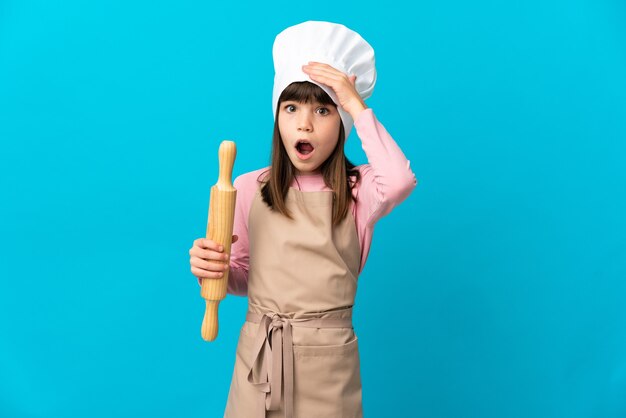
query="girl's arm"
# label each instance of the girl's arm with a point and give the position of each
(387, 179)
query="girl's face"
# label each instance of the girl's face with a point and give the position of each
(310, 132)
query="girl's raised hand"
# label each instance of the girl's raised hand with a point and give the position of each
(341, 83)
(207, 258)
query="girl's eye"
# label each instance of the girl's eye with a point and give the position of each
(323, 111)
(290, 108)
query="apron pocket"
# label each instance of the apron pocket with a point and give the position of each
(327, 381)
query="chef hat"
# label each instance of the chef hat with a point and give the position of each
(329, 43)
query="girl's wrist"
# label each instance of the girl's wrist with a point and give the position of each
(355, 109)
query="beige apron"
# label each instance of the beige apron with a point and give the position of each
(297, 355)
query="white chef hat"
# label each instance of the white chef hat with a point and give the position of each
(329, 43)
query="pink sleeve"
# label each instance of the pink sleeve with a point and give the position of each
(239, 253)
(386, 180)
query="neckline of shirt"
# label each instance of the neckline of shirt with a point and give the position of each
(309, 182)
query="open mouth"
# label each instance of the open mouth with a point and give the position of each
(304, 147)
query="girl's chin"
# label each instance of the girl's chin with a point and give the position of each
(305, 169)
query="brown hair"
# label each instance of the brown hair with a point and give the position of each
(337, 170)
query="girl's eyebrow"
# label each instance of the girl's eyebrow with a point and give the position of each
(312, 103)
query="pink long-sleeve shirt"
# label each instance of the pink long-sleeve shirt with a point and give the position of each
(386, 180)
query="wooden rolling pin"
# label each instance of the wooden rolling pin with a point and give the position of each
(220, 230)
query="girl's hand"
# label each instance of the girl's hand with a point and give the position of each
(208, 259)
(341, 83)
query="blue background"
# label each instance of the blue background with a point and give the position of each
(497, 289)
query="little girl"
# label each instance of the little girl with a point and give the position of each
(303, 228)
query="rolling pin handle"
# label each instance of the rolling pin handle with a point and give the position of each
(210, 322)
(226, 155)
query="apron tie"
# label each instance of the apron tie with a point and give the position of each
(272, 355)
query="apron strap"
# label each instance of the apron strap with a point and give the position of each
(269, 361)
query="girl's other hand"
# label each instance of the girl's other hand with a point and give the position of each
(341, 83)
(207, 258)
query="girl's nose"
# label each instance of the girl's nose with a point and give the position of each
(304, 124)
